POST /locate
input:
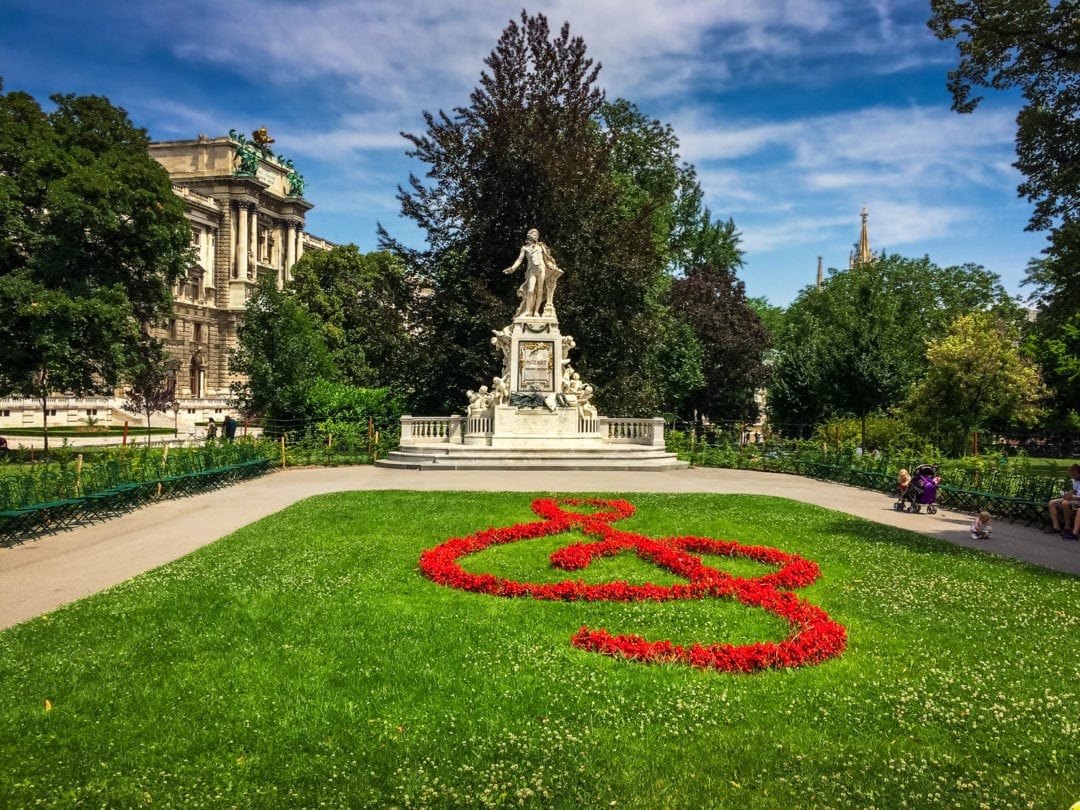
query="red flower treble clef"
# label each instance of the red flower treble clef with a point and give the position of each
(813, 636)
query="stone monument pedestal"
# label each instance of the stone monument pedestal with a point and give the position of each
(512, 427)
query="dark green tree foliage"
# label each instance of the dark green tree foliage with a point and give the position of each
(705, 350)
(1055, 345)
(794, 398)
(855, 346)
(93, 238)
(531, 150)
(712, 302)
(362, 305)
(282, 354)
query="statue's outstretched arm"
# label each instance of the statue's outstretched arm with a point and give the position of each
(517, 263)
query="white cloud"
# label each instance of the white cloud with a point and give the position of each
(389, 52)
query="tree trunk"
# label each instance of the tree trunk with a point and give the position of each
(45, 423)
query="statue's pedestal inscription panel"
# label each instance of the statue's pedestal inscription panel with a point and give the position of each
(535, 366)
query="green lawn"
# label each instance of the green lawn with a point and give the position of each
(305, 661)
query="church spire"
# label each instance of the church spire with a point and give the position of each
(862, 254)
(864, 240)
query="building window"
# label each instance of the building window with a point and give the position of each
(198, 336)
(172, 328)
(91, 411)
(5, 412)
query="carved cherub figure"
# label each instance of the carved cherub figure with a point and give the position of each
(503, 339)
(479, 401)
(585, 406)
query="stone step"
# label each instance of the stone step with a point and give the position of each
(629, 457)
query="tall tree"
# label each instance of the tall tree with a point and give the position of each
(93, 238)
(538, 147)
(1054, 343)
(976, 378)
(712, 301)
(281, 354)
(363, 307)
(855, 346)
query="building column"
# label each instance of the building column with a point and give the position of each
(253, 241)
(241, 265)
(299, 243)
(290, 248)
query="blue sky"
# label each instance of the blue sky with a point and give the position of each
(795, 113)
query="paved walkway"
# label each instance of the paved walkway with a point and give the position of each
(41, 575)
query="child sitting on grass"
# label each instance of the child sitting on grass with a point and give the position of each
(981, 526)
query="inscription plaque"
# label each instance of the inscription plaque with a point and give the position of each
(536, 365)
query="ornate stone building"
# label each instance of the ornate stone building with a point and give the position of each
(247, 211)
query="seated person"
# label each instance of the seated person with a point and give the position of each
(1074, 534)
(982, 526)
(1065, 506)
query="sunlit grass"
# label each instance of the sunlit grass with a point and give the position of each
(304, 661)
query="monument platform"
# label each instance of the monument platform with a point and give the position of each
(471, 443)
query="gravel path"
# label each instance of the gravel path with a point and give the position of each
(41, 575)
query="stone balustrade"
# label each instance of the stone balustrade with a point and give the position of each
(56, 402)
(479, 426)
(429, 429)
(420, 430)
(632, 431)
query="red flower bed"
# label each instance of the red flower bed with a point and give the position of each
(813, 636)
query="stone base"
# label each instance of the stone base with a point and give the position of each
(538, 428)
(506, 437)
(461, 457)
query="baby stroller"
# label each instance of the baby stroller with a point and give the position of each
(922, 491)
